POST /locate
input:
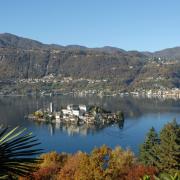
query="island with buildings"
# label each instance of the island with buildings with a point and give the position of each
(77, 114)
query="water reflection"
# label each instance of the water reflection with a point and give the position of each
(74, 129)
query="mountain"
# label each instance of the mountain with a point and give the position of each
(25, 58)
(110, 49)
(13, 41)
(168, 53)
(22, 58)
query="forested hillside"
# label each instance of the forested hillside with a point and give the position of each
(22, 58)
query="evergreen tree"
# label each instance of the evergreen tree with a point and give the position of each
(168, 152)
(147, 153)
(164, 153)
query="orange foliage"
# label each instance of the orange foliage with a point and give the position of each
(71, 166)
(139, 171)
(49, 167)
(45, 173)
(119, 163)
(53, 159)
(101, 164)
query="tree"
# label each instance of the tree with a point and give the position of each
(147, 153)
(119, 163)
(165, 152)
(68, 172)
(48, 173)
(141, 172)
(99, 159)
(51, 164)
(168, 152)
(84, 171)
(53, 159)
(102, 163)
(16, 151)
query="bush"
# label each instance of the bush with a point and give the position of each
(138, 171)
(45, 173)
(53, 159)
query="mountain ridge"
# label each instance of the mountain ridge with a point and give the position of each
(22, 58)
(8, 39)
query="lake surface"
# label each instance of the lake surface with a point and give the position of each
(140, 116)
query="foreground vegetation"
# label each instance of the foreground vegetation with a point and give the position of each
(16, 150)
(159, 159)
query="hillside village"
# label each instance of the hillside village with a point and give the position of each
(34, 68)
(159, 92)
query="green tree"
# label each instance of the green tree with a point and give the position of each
(165, 152)
(147, 153)
(168, 152)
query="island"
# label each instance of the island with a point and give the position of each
(77, 114)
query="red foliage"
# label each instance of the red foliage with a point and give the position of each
(44, 173)
(138, 171)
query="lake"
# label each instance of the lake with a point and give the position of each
(140, 115)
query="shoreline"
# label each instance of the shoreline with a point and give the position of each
(177, 97)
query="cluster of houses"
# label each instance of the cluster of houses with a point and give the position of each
(73, 113)
(161, 93)
(53, 78)
(76, 114)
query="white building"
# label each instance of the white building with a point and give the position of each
(66, 111)
(82, 108)
(72, 107)
(57, 117)
(75, 112)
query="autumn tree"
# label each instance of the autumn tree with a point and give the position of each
(101, 164)
(137, 172)
(53, 159)
(84, 171)
(68, 172)
(49, 167)
(99, 159)
(120, 161)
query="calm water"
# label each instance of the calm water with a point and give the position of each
(140, 115)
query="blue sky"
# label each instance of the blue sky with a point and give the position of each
(129, 24)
